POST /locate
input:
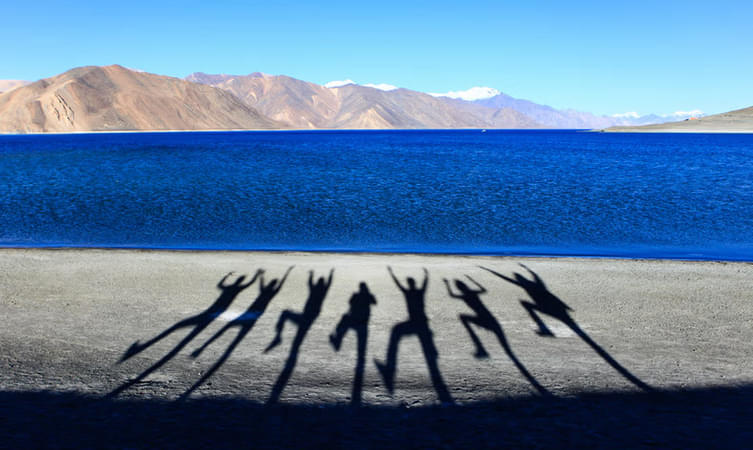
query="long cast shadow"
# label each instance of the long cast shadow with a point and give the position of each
(483, 318)
(245, 322)
(417, 324)
(547, 303)
(357, 319)
(304, 320)
(199, 322)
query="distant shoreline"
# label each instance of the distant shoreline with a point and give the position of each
(5, 133)
(387, 253)
(278, 130)
(669, 131)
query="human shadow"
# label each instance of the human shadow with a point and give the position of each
(198, 322)
(304, 320)
(245, 322)
(357, 319)
(545, 302)
(483, 318)
(417, 324)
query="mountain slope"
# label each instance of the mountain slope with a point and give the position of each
(8, 85)
(298, 103)
(114, 98)
(738, 121)
(308, 105)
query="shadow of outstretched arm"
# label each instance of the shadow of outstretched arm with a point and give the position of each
(509, 280)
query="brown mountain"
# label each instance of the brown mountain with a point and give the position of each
(115, 98)
(738, 121)
(308, 105)
(298, 103)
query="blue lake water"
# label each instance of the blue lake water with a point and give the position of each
(499, 192)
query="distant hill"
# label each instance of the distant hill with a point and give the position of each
(738, 121)
(115, 98)
(308, 105)
(569, 118)
(546, 115)
(7, 85)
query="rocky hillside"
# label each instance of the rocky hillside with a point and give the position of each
(115, 98)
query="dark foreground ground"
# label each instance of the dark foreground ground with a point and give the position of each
(703, 418)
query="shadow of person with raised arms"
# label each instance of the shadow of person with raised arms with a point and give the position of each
(417, 324)
(245, 322)
(199, 322)
(357, 318)
(547, 303)
(304, 320)
(483, 318)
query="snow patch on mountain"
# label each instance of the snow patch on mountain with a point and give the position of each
(474, 93)
(381, 86)
(339, 83)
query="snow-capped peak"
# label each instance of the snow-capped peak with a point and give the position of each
(627, 115)
(474, 93)
(693, 113)
(381, 86)
(339, 83)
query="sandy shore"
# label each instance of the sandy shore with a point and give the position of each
(633, 327)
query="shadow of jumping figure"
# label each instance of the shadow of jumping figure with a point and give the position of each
(199, 322)
(417, 324)
(304, 320)
(356, 318)
(245, 322)
(545, 302)
(483, 318)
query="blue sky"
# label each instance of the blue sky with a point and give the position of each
(603, 57)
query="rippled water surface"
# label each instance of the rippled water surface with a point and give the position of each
(519, 192)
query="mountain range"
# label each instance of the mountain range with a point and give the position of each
(114, 98)
(308, 105)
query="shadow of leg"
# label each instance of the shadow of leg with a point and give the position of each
(336, 338)
(606, 356)
(284, 317)
(387, 370)
(431, 355)
(467, 320)
(543, 329)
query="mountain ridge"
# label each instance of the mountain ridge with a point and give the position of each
(350, 106)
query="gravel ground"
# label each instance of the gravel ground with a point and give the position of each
(627, 352)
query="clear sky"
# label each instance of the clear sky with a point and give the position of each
(598, 56)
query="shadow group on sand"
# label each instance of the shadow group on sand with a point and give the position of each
(245, 322)
(197, 324)
(357, 317)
